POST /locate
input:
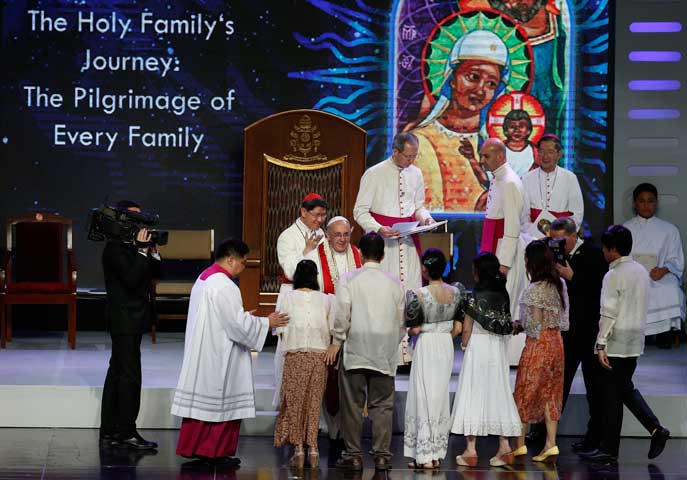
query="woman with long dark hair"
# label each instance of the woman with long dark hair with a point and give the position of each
(305, 341)
(543, 314)
(484, 403)
(431, 313)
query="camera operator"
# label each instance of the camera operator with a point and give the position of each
(583, 272)
(129, 267)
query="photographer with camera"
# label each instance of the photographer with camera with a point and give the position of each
(583, 267)
(129, 265)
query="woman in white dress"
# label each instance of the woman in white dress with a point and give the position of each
(484, 403)
(431, 315)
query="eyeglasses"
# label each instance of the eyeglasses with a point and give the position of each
(319, 216)
(341, 235)
(408, 157)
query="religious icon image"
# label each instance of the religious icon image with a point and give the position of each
(470, 59)
(518, 119)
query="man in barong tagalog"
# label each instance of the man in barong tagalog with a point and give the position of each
(215, 389)
(334, 258)
(475, 74)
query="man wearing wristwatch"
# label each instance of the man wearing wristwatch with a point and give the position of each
(619, 343)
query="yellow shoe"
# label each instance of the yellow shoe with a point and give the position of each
(551, 452)
(519, 452)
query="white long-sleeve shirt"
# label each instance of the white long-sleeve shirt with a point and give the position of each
(310, 321)
(624, 295)
(557, 191)
(369, 319)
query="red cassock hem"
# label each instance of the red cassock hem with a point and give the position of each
(198, 438)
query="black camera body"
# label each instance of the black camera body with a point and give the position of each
(109, 223)
(557, 247)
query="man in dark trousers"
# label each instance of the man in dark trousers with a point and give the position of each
(583, 273)
(129, 268)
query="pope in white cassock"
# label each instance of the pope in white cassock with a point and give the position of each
(334, 258)
(656, 244)
(215, 389)
(390, 192)
(505, 232)
(298, 240)
(553, 191)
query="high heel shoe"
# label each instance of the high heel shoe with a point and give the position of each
(519, 452)
(467, 461)
(314, 458)
(551, 452)
(502, 460)
(298, 458)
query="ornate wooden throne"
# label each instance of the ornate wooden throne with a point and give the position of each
(286, 156)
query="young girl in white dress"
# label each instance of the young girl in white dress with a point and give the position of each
(431, 314)
(484, 403)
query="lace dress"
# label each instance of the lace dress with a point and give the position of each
(427, 415)
(540, 375)
(484, 404)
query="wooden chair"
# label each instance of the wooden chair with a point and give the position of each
(185, 250)
(39, 245)
(285, 157)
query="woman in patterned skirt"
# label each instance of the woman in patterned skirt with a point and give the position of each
(305, 341)
(544, 313)
(431, 314)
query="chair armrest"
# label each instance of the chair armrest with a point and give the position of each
(5, 269)
(71, 270)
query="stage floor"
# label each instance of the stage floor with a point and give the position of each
(36, 366)
(74, 453)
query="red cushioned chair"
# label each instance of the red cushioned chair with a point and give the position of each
(39, 245)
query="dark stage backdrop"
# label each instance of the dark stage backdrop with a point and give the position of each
(104, 100)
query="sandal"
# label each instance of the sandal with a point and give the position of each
(298, 458)
(467, 461)
(420, 466)
(313, 457)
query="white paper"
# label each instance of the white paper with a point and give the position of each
(646, 260)
(423, 228)
(404, 227)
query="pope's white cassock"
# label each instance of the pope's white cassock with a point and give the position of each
(505, 234)
(557, 192)
(216, 380)
(653, 236)
(389, 194)
(290, 246)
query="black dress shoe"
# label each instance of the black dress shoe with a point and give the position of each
(658, 441)
(137, 435)
(107, 440)
(198, 465)
(226, 462)
(136, 443)
(588, 453)
(601, 456)
(583, 446)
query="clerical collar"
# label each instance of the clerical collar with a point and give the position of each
(500, 172)
(645, 220)
(552, 172)
(300, 224)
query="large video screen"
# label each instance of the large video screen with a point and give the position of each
(148, 100)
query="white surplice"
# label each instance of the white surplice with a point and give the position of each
(216, 379)
(557, 191)
(653, 236)
(507, 200)
(388, 190)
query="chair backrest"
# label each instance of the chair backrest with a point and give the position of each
(189, 245)
(287, 156)
(39, 243)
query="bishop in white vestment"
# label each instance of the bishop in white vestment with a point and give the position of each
(215, 389)
(394, 191)
(551, 188)
(505, 231)
(657, 245)
(293, 244)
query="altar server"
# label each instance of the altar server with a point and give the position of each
(215, 389)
